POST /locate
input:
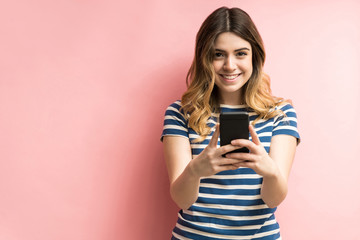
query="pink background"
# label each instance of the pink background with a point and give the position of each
(83, 89)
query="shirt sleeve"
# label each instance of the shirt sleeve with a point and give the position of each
(174, 122)
(286, 124)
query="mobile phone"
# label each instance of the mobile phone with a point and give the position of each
(234, 125)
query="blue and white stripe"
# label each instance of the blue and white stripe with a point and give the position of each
(229, 204)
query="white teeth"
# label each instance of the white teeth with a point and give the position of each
(230, 77)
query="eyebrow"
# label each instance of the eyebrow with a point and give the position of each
(240, 49)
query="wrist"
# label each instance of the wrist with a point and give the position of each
(274, 188)
(191, 170)
(274, 174)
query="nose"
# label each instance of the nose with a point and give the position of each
(229, 64)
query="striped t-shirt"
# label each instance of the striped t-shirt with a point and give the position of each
(229, 205)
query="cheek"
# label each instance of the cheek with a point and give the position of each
(217, 65)
(250, 69)
(217, 81)
(248, 66)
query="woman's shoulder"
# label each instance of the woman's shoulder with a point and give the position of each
(176, 104)
(175, 109)
(285, 106)
(285, 112)
(174, 122)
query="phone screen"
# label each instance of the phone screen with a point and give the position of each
(234, 125)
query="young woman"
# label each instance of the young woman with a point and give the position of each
(232, 197)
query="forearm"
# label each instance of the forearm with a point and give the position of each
(274, 189)
(185, 189)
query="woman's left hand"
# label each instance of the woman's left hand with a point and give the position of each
(258, 159)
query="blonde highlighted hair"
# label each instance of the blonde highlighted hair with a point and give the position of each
(201, 98)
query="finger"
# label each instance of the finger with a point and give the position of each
(227, 167)
(245, 143)
(227, 148)
(227, 161)
(214, 139)
(254, 136)
(245, 164)
(241, 156)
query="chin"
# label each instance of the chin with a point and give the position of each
(232, 89)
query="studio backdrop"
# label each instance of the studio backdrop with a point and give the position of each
(83, 90)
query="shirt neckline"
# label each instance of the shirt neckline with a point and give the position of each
(233, 106)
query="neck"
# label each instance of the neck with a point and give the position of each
(233, 98)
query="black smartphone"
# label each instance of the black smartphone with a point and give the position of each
(234, 125)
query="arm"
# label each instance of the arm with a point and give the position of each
(282, 152)
(184, 184)
(185, 173)
(274, 167)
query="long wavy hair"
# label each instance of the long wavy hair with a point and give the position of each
(201, 98)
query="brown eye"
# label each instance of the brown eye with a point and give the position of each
(241, 54)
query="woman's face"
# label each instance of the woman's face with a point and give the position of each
(232, 63)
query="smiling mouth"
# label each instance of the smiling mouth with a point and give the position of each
(230, 77)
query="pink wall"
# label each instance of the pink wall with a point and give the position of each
(83, 89)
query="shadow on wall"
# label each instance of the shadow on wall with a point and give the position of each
(155, 214)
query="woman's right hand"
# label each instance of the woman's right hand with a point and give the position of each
(210, 160)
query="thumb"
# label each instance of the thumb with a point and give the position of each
(214, 139)
(254, 136)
